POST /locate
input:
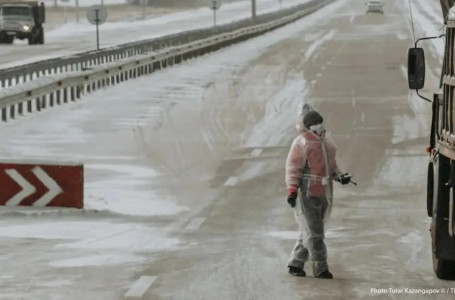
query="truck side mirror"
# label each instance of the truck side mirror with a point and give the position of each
(42, 13)
(416, 68)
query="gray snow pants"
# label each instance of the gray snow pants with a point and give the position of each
(311, 226)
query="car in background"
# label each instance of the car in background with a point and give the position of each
(375, 6)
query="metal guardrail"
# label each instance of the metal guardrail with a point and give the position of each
(61, 88)
(78, 62)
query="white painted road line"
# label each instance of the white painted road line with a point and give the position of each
(195, 224)
(231, 181)
(140, 287)
(256, 152)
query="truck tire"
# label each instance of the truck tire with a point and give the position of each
(40, 39)
(37, 37)
(444, 269)
(430, 189)
(440, 238)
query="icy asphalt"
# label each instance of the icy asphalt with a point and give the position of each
(185, 195)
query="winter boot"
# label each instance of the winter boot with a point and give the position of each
(326, 275)
(297, 271)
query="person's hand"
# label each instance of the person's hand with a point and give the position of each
(291, 198)
(344, 178)
(292, 195)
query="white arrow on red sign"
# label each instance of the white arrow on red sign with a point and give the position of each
(42, 184)
(27, 189)
(53, 187)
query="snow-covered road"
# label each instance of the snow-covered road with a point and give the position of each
(79, 37)
(184, 173)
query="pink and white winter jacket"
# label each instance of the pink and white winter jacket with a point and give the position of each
(307, 148)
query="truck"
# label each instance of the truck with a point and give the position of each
(441, 164)
(22, 20)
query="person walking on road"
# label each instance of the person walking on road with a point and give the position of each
(311, 168)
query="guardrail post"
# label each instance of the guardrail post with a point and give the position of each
(38, 104)
(43, 102)
(58, 96)
(78, 92)
(11, 111)
(51, 99)
(72, 94)
(65, 95)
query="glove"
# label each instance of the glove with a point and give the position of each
(291, 198)
(344, 178)
(292, 195)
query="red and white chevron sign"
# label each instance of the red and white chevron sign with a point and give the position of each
(41, 185)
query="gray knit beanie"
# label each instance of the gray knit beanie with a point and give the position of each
(312, 118)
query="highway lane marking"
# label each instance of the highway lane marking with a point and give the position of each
(256, 152)
(353, 98)
(231, 181)
(140, 287)
(195, 224)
